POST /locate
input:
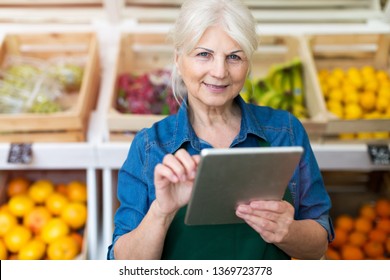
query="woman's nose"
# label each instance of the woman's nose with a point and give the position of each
(218, 68)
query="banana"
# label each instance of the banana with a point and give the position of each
(298, 90)
(259, 89)
(299, 111)
(270, 98)
(247, 90)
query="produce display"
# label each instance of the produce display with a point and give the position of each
(282, 88)
(30, 85)
(42, 220)
(150, 93)
(366, 236)
(357, 93)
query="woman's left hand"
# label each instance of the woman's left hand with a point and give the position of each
(271, 219)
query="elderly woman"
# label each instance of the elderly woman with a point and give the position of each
(214, 41)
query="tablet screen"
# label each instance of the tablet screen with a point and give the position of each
(228, 177)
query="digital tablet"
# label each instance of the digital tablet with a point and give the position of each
(228, 177)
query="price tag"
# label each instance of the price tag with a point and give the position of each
(20, 153)
(379, 154)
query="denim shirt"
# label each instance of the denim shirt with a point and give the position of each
(136, 189)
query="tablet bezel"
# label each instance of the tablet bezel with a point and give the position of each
(215, 194)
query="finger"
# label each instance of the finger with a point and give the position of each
(269, 205)
(189, 162)
(164, 173)
(175, 164)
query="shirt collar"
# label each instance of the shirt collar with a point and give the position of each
(185, 133)
(249, 123)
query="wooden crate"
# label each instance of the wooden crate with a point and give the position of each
(65, 126)
(344, 51)
(139, 53)
(142, 52)
(55, 176)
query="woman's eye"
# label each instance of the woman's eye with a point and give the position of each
(233, 57)
(204, 54)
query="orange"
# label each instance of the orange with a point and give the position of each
(79, 239)
(62, 189)
(349, 252)
(341, 237)
(77, 191)
(7, 221)
(17, 238)
(383, 224)
(367, 211)
(382, 207)
(63, 248)
(377, 235)
(387, 245)
(54, 229)
(374, 249)
(56, 202)
(75, 214)
(363, 225)
(332, 254)
(17, 185)
(35, 249)
(19, 205)
(345, 222)
(36, 219)
(357, 238)
(3, 250)
(40, 190)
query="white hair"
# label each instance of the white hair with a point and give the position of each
(196, 16)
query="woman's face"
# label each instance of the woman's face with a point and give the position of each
(214, 71)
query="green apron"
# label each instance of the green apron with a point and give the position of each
(218, 242)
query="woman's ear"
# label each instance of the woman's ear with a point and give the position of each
(177, 64)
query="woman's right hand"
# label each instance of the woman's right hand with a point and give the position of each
(173, 180)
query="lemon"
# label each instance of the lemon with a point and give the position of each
(332, 82)
(373, 115)
(353, 72)
(338, 73)
(323, 74)
(371, 85)
(381, 134)
(382, 75)
(347, 136)
(382, 104)
(384, 92)
(365, 135)
(324, 89)
(351, 97)
(367, 100)
(353, 111)
(336, 94)
(367, 70)
(336, 108)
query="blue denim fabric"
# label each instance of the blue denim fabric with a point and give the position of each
(136, 189)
